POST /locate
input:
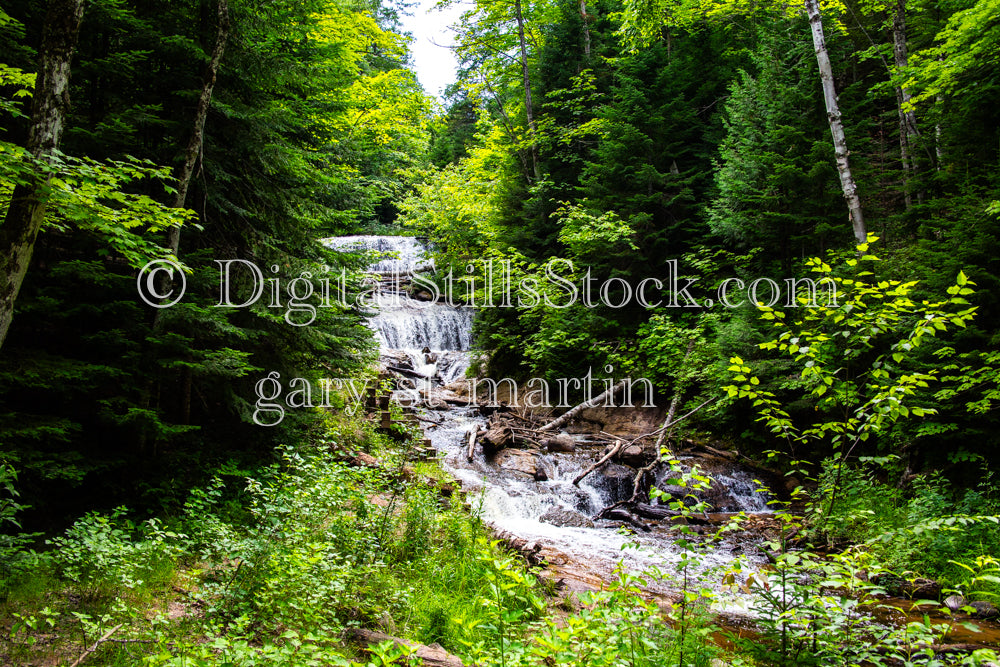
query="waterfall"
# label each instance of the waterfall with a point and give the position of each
(432, 339)
(405, 323)
(398, 254)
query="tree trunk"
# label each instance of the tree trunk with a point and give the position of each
(907, 117)
(836, 126)
(586, 29)
(48, 117)
(528, 111)
(197, 140)
(674, 402)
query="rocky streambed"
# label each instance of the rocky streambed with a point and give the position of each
(530, 489)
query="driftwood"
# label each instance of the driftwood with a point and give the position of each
(407, 372)
(432, 656)
(559, 421)
(597, 465)
(674, 422)
(718, 452)
(656, 512)
(473, 432)
(532, 442)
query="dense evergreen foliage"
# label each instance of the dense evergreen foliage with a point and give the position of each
(667, 131)
(604, 154)
(313, 117)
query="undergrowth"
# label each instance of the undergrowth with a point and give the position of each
(276, 568)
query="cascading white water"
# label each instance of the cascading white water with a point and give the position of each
(433, 340)
(400, 253)
(433, 337)
(405, 323)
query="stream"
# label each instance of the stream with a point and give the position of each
(434, 339)
(552, 517)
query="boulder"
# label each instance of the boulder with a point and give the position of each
(518, 460)
(633, 455)
(497, 438)
(460, 387)
(624, 422)
(561, 443)
(558, 516)
(397, 358)
(922, 589)
(917, 589)
(615, 480)
(984, 610)
(422, 295)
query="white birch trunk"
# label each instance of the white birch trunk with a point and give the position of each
(841, 153)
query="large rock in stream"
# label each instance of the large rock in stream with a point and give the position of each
(558, 516)
(562, 442)
(518, 460)
(496, 438)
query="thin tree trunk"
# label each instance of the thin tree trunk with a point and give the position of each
(586, 29)
(48, 118)
(197, 140)
(939, 139)
(908, 132)
(836, 126)
(528, 110)
(674, 402)
(191, 155)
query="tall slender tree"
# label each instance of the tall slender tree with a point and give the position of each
(48, 118)
(195, 143)
(528, 107)
(907, 116)
(833, 115)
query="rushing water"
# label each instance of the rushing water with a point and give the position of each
(433, 340)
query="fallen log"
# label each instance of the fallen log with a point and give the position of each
(432, 656)
(96, 645)
(608, 457)
(654, 512)
(414, 375)
(624, 516)
(573, 412)
(659, 513)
